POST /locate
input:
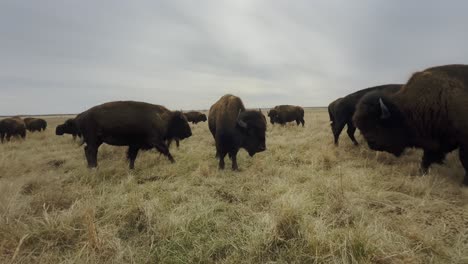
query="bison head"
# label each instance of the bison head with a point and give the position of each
(69, 127)
(178, 126)
(273, 114)
(252, 125)
(382, 124)
(203, 119)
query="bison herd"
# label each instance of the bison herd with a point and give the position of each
(429, 112)
(15, 126)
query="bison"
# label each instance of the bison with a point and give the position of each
(35, 124)
(233, 128)
(195, 117)
(12, 126)
(68, 127)
(429, 112)
(342, 109)
(282, 114)
(137, 125)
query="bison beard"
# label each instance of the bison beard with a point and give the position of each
(429, 112)
(233, 128)
(137, 125)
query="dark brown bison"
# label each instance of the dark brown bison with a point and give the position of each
(68, 127)
(342, 109)
(12, 126)
(282, 114)
(195, 117)
(429, 112)
(137, 125)
(35, 124)
(233, 128)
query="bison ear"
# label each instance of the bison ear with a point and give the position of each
(384, 109)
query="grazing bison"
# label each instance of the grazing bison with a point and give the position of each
(233, 128)
(429, 112)
(35, 124)
(137, 125)
(68, 127)
(195, 117)
(342, 109)
(282, 114)
(12, 126)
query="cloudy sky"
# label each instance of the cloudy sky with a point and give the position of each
(65, 56)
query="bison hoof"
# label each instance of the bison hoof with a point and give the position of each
(423, 171)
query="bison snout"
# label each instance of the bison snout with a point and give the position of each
(261, 148)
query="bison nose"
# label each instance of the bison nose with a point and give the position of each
(261, 148)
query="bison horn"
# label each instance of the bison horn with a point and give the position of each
(241, 123)
(384, 109)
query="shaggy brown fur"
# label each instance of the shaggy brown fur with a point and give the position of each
(233, 128)
(429, 112)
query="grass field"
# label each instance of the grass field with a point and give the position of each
(301, 201)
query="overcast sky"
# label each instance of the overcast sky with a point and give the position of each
(65, 56)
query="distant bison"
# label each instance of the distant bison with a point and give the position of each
(195, 117)
(35, 124)
(429, 112)
(342, 109)
(233, 128)
(68, 127)
(282, 114)
(137, 125)
(12, 126)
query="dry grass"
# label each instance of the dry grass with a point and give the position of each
(301, 201)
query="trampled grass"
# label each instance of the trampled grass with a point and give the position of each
(302, 201)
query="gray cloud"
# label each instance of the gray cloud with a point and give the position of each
(71, 55)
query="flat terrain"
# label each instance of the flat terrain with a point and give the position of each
(302, 201)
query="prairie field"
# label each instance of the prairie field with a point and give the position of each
(303, 200)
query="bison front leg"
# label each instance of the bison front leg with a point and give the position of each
(91, 155)
(464, 161)
(162, 147)
(233, 156)
(132, 153)
(430, 157)
(221, 164)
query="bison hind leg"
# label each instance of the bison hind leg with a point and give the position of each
(132, 153)
(351, 130)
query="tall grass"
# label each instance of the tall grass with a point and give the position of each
(302, 201)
